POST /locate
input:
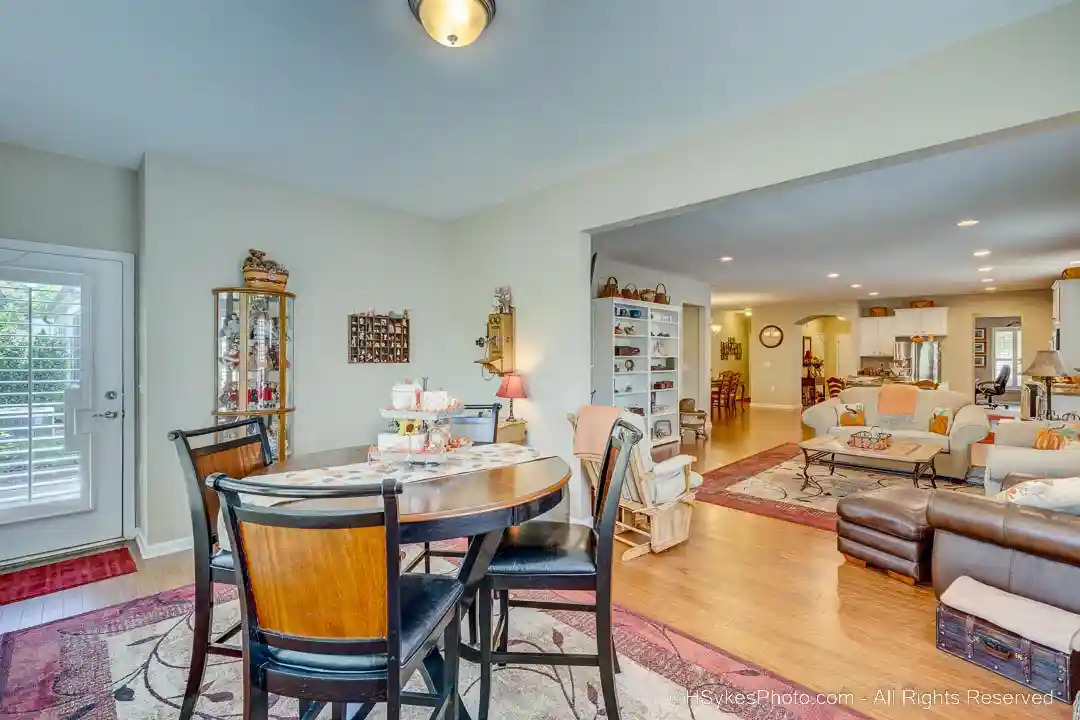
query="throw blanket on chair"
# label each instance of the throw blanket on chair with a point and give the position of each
(896, 404)
(594, 423)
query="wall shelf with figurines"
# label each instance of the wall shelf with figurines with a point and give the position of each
(379, 338)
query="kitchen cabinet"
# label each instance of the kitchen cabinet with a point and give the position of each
(921, 321)
(1067, 322)
(877, 336)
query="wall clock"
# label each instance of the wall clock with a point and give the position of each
(771, 336)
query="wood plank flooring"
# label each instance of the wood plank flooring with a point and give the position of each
(774, 593)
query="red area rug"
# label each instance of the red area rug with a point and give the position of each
(715, 490)
(130, 661)
(54, 577)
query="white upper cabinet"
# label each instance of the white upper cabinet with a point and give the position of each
(921, 321)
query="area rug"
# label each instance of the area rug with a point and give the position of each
(73, 572)
(770, 484)
(129, 662)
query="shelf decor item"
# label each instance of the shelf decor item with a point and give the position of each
(662, 296)
(263, 274)
(253, 350)
(921, 304)
(610, 288)
(630, 292)
(378, 338)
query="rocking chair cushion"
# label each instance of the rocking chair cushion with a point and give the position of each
(672, 465)
(666, 488)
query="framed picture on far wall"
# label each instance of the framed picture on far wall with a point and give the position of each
(978, 348)
(980, 333)
(980, 361)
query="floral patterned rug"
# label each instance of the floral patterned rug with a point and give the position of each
(770, 483)
(128, 662)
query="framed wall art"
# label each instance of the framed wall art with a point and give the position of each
(980, 333)
(980, 361)
(978, 348)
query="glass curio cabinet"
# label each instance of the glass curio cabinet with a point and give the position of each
(253, 351)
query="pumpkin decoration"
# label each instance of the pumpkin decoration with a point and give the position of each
(1049, 439)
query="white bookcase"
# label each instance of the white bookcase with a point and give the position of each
(655, 335)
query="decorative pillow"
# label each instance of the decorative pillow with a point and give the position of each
(940, 420)
(1049, 439)
(853, 415)
(1059, 494)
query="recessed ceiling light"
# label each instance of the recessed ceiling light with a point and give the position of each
(856, 285)
(967, 223)
(988, 279)
(726, 258)
(833, 275)
(981, 253)
(991, 289)
(985, 269)
(873, 294)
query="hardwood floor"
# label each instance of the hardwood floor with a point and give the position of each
(771, 592)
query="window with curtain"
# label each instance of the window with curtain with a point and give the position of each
(1007, 354)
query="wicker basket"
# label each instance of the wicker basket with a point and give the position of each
(1070, 273)
(873, 439)
(921, 304)
(879, 312)
(662, 297)
(630, 292)
(648, 295)
(610, 288)
(263, 274)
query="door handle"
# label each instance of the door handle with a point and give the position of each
(109, 414)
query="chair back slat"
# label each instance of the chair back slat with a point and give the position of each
(479, 423)
(612, 477)
(236, 457)
(317, 583)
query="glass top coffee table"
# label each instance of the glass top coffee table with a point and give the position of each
(822, 451)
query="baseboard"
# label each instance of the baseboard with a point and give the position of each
(773, 406)
(147, 550)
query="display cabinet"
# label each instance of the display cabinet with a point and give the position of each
(253, 351)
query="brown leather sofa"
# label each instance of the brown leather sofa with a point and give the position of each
(1024, 551)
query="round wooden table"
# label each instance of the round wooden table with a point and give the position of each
(479, 505)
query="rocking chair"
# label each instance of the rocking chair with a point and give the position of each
(655, 508)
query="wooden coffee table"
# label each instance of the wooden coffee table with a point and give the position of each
(823, 450)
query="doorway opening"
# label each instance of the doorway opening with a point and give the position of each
(997, 358)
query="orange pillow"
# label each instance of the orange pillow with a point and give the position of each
(1049, 439)
(939, 421)
(853, 416)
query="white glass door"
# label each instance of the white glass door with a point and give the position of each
(61, 402)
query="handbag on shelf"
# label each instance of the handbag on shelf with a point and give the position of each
(610, 288)
(630, 292)
(662, 297)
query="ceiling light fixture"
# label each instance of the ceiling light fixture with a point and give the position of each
(981, 253)
(833, 275)
(967, 223)
(726, 258)
(873, 294)
(991, 289)
(985, 269)
(985, 280)
(856, 285)
(453, 23)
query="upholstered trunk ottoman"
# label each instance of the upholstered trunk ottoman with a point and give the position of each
(887, 529)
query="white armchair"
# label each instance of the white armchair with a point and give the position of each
(655, 509)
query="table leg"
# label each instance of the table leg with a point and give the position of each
(805, 470)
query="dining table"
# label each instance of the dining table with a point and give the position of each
(475, 504)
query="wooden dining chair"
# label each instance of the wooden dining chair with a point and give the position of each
(560, 556)
(237, 448)
(327, 615)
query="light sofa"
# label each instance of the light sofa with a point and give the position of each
(1013, 452)
(968, 424)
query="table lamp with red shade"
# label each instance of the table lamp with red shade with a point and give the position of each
(512, 387)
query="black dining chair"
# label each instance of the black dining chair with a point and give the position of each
(237, 449)
(327, 615)
(480, 423)
(560, 556)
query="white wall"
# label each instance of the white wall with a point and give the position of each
(343, 256)
(1019, 74)
(65, 201)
